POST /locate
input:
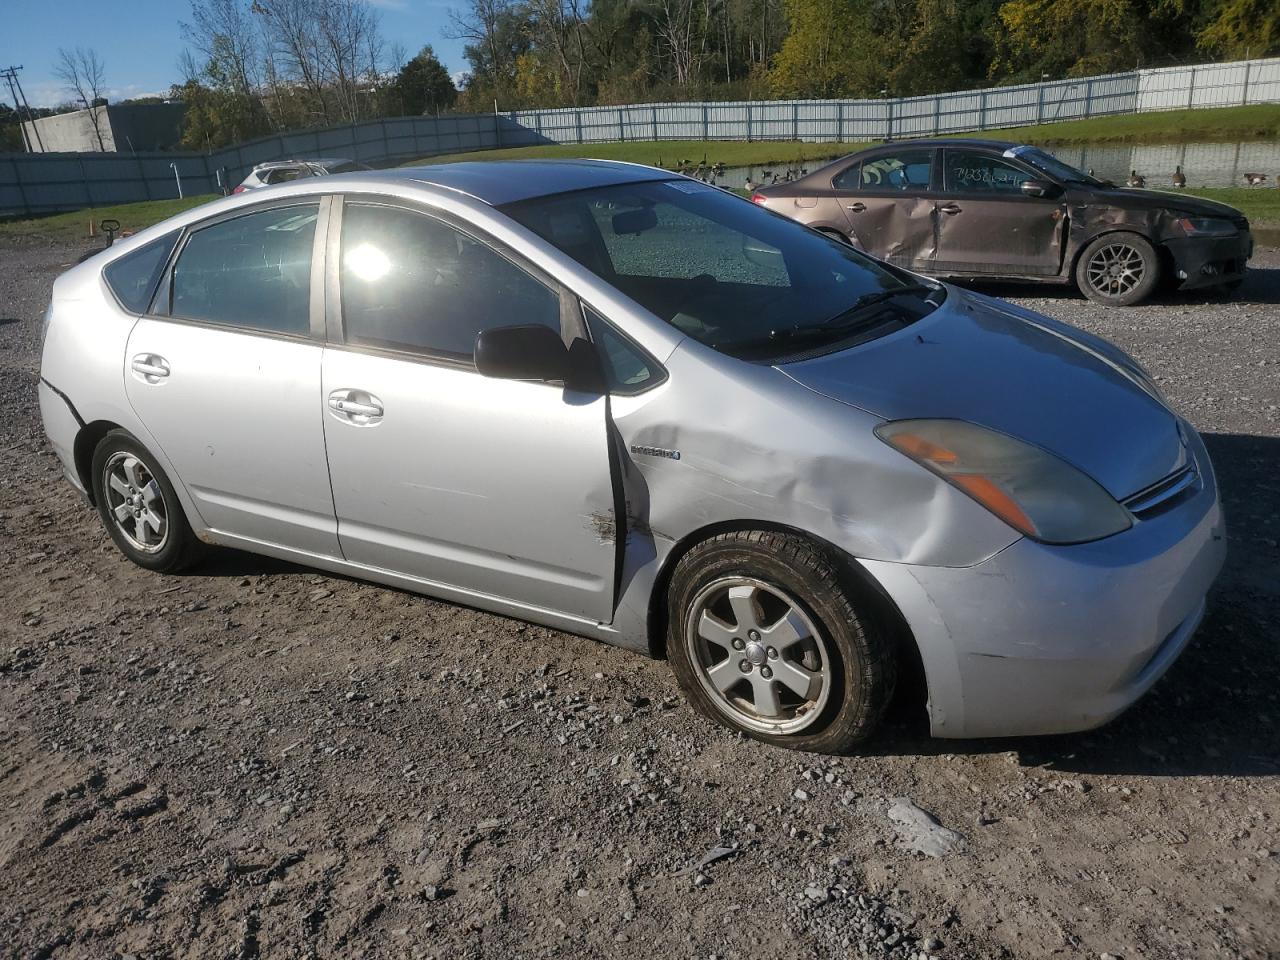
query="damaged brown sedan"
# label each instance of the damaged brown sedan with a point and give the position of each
(988, 209)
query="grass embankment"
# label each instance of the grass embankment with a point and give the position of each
(75, 225)
(665, 153)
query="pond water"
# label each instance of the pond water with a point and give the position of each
(1203, 164)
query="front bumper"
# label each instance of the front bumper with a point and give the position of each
(1041, 639)
(1206, 262)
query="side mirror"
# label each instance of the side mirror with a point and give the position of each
(524, 352)
(1040, 189)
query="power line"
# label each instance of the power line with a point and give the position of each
(20, 104)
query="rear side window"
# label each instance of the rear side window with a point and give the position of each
(412, 282)
(253, 271)
(133, 277)
(905, 171)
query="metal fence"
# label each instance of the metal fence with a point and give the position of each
(40, 183)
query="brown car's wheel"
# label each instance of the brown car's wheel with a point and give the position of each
(1118, 269)
(764, 637)
(139, 507)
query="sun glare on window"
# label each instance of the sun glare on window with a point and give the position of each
(368, 262)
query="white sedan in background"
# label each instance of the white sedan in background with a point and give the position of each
(282, 171)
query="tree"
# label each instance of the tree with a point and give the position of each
(1243, 28)
(831, 51)
(424, 86)
(81, 71)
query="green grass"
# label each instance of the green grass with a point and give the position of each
(1219, 125)
(1260, 204)
(75, 225)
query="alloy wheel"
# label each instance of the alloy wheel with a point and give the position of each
(1116, 269)
(135, 502)
(758, 655)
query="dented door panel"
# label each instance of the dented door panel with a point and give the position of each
(901, 230)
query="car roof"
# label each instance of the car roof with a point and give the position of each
(950, 142)
(497, 182)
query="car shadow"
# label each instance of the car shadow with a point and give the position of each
(1261, 286)
(1216, 712)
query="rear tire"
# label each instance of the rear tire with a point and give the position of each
(139, 506)
(764, 637)
(1118, 270)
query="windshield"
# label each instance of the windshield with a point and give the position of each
(1052, 166)
(727, 273)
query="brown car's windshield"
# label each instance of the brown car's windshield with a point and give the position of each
(739, 279)
(1048, 163)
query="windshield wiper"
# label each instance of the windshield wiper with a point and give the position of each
(841, 319)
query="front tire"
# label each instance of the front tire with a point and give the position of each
(1118, 270)
(765, 638)
(139, 507)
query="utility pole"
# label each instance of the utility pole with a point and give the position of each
(20, 104)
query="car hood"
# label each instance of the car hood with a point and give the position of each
(1026, 376)
(1131, 199)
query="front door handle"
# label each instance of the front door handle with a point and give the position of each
(356, 406)
(150, 367)
(950, 209)
(857, 206)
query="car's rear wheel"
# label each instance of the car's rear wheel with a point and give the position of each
(765, 638)
(1118, 270)
(139, 507)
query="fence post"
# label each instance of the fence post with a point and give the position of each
(1088, 98)
(889, 135)
(705, 129)
(795, 121)
(1040, 102)
(982, 110)
(1191, 90)
(937, 105)
(1244, 94)
(577, 120)
(748, 121)
(839, 120)
(653, 115)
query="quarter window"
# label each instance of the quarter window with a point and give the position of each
(980, 173)
(905, 171)
(133, 277)
(253, 271)
(626, 367)
(849, 178)
(412, 282)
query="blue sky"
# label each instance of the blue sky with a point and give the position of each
(139, 40)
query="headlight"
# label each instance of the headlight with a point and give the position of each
(1207, 227)
(1036, 493)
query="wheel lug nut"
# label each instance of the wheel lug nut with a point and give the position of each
(744, 666)
(766, 672)
(773, 654)
(737, 643)
(754, 635)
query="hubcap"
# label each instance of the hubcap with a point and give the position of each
(1116, 269)
(135, 502)
(758, 655)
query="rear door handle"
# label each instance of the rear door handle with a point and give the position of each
(355, 406)
(150, 367)
(857, 207)
(950, 209)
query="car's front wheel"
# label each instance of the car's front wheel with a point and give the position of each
(764, 637)
(139, 507)
(1118, 270)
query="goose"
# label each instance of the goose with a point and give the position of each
(1178, 179)
(750, 185)
(1253, 179)
(1136, 179)
(718, 168)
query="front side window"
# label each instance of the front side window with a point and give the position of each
(970, 172)
(900, 172)
(133, 277)
(412, 282)
(735, 277)
(253, 271)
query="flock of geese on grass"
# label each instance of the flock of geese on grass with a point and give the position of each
(1179, 179)
(709, 172)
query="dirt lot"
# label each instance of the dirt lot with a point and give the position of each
(258, 760)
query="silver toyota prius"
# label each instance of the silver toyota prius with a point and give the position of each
(632, 406)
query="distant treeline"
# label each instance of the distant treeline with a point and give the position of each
(254, 67)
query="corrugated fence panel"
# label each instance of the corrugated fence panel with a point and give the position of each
(44, 182)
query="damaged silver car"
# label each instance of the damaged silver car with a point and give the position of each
(634, 407)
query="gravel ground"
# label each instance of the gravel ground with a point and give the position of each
(259, 760)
